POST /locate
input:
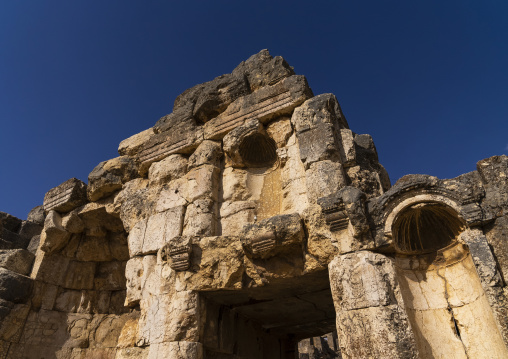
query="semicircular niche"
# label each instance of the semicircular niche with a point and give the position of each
(258, 150)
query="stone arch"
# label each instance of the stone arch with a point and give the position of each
(442, 292)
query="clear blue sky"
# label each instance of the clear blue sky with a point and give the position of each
(427, 79)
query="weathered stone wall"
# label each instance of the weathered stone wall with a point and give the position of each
(248, 219)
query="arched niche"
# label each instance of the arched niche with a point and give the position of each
(443, 295)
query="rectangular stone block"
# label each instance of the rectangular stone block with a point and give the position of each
(264, 105)
(161, 227)
(164, 144)
(130, 146)
(347, 148)
(234, 215)
(371, 321)
(318, 144)
(323, 179)
(203, 182)
(167, 318)
(201, 218)
(49, 268)
(110, 276)
(65, 197)
(79, 275)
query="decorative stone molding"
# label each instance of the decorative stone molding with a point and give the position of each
(178, 253)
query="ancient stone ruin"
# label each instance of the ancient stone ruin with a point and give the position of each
(252, 222)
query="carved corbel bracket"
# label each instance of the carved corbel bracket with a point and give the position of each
(273, 236)
(177, 253)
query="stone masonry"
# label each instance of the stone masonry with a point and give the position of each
(251, 222)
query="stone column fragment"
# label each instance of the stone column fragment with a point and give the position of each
(371, 322)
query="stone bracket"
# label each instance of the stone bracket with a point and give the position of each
(178, 253)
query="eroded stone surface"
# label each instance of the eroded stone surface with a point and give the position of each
(248, 219)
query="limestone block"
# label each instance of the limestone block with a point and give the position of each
(132, 353)
(93, 248)
(29, 229)
(160, 228)
(320, 241)
(234, 185)
(14, 287)
(130, 146)
(494, 176)
(72, 223)
(108, 177)
(274, 236)
(280, 130)
(99, 218)
(347, 148)
(110, 276)
(234, 215)
(167, 318)
(293, 180)
(176, 350)
(37, 215)
(17, 260)
(34, 244)
(11, 240)
(134, 202)
(201, 218)
(12, 324)
(95, 302)
(129, 331)
(68, 301)
(319, 143)
(496, 233)
(105, 330)
(294, 196)
(173, 195)
(368, 182)
(375, 332)
(65, 197)
(137, 271)
(118, 246)
(207, 153)
(319, 110)
(54, 237)
(168, 169)
(44, 295)
(214, 263)
(49, 268)
(95, 353)
(204, 101)
(184, 138)
(116, 303)
(79, 275)
(262, 69)
(265, 104)
(9, 222)
(35, 351)
(371, 321)
(203, 182)
(55, 329)
(136, 238)
(323, 179)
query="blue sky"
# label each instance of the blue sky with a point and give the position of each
(427, 79)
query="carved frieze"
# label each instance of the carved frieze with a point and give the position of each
(65, 197)
(264, 104)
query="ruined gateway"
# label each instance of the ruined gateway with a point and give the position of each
(247, 220)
